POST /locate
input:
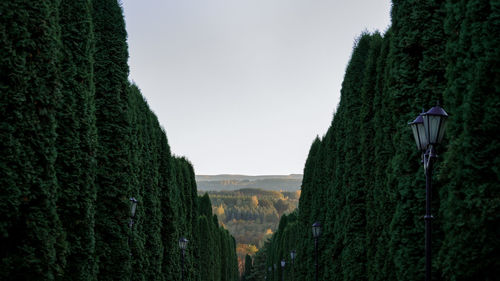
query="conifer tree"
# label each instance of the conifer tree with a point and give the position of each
(414, 31)
(367, 148)
(470, 194)
(380, 266)
(353, 255)
(32, 239)
(305, 207)
(248, 268)
(76, 141)
(205, 262)
(113, 126)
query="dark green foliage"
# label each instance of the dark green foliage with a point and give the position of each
(77, 142)
(363, 179)
(205, 262)
(205, 205)
(248, 269)
(470, 206)
(32, 243)
(114, 135)
(215, 250)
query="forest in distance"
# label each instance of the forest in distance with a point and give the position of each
(251, 215)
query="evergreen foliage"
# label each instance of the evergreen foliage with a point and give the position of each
(77, 142)
(32, 241)
(114, 136)
(363, 180)
(248, 269)
(470, 193)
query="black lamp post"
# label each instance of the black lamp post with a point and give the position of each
(269, 269)
(183, 245)
(133, 208)
(282, 270)
(293, 254)
(428, 130)
(316, 229)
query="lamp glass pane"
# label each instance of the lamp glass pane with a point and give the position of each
(134, 207)
(442, 129)
(432, 125)
(422, 137)
(415, 135)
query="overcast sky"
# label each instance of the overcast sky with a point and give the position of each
(244, 86)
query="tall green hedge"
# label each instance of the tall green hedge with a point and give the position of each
(78, 140)
(363, 179)
(32, 241)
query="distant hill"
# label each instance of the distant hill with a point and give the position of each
(234, 182)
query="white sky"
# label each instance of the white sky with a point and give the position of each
(244, 86)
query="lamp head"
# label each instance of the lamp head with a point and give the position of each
(133, 207)
(183, 243)
(435, 124)
(316, 229)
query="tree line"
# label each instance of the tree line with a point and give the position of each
(363, 179)
(78, 141)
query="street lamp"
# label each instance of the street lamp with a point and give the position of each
(133, 208)
(316, 229)
(432, 124)
(183, 245)
(293, 253)
(283, 270)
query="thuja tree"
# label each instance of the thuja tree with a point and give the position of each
(76, 141)
(248, 268)
(31, 238)
(470, 191)
(113, 127)
(352, 215)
